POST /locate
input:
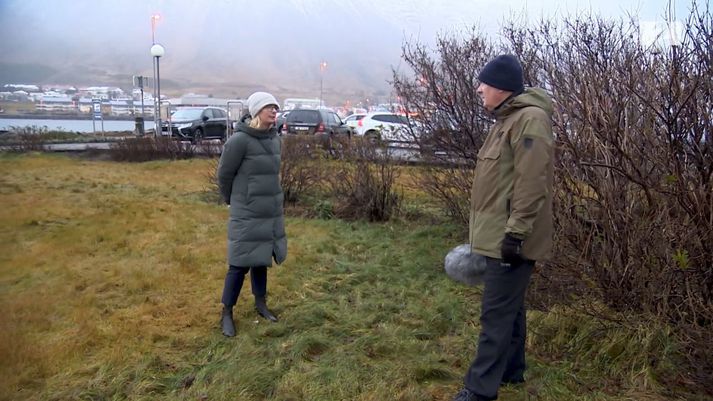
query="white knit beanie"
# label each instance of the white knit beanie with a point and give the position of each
(258, 100)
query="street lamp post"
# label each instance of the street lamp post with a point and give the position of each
(322, 67)
(154, 18)
(157, 51)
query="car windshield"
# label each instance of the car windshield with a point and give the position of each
(187, 114)
(304, 117)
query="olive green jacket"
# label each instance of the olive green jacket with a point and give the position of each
(513, 183)
(249, 181)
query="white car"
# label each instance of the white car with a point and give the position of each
(353, 119)
(385, 126)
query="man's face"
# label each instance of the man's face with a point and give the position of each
(492, 97)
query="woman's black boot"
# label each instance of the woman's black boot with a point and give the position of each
(227, 321)
(261, 307)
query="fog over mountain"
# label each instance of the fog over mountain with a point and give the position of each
(231, 47)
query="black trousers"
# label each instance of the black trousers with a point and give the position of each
(234, 283)
(501, 345)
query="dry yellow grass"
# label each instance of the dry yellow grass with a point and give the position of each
(69, 303)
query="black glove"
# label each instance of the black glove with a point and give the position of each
(511, 250)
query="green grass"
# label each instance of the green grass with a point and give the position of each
(110, 282)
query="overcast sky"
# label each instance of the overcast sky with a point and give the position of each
(424, 17)
(275, 43)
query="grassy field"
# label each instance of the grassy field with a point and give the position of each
(110, 282)
(17, 108)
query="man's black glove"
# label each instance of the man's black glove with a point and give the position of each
(511, 250)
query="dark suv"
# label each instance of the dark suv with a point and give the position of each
(315, 122)
(196, 123)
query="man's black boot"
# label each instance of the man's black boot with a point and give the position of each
(261, 308)
(227, 322)
(467, 395)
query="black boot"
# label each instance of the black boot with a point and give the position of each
(261, 308)
(227, 321)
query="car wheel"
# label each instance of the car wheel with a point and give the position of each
(197, 135)
(325, 141)
(372, 136)
(337, 145)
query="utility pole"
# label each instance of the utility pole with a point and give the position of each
(322, 67)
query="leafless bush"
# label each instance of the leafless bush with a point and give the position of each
(363, 183)
(25, 139)
(635, 160)
(301, 166)
(146, 149)
(27, 142)
(212, 191)
(449, 184)
(448, 121)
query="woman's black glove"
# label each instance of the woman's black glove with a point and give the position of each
(511, 250)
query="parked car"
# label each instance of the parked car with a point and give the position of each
(281, 118)
(197, 123)
(384, 126)
(315, 122)
(353, 119)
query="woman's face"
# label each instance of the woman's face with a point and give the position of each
(268, 115)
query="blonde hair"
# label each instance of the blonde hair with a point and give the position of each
(254, 122)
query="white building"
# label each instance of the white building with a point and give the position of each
(103, 92)
(19, 96)
(56, 103)
(122, 107)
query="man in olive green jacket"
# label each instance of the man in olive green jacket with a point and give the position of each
(510, 220)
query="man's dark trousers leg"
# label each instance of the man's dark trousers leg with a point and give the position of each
(501, 346)
(515, 367)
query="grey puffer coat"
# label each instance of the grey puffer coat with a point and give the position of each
(249, 181)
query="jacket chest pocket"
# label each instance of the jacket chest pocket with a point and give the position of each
(487, 170)
(491, 149)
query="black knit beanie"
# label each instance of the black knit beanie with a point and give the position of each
(503, 72)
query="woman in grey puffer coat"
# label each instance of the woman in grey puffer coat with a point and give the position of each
(249, 181)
